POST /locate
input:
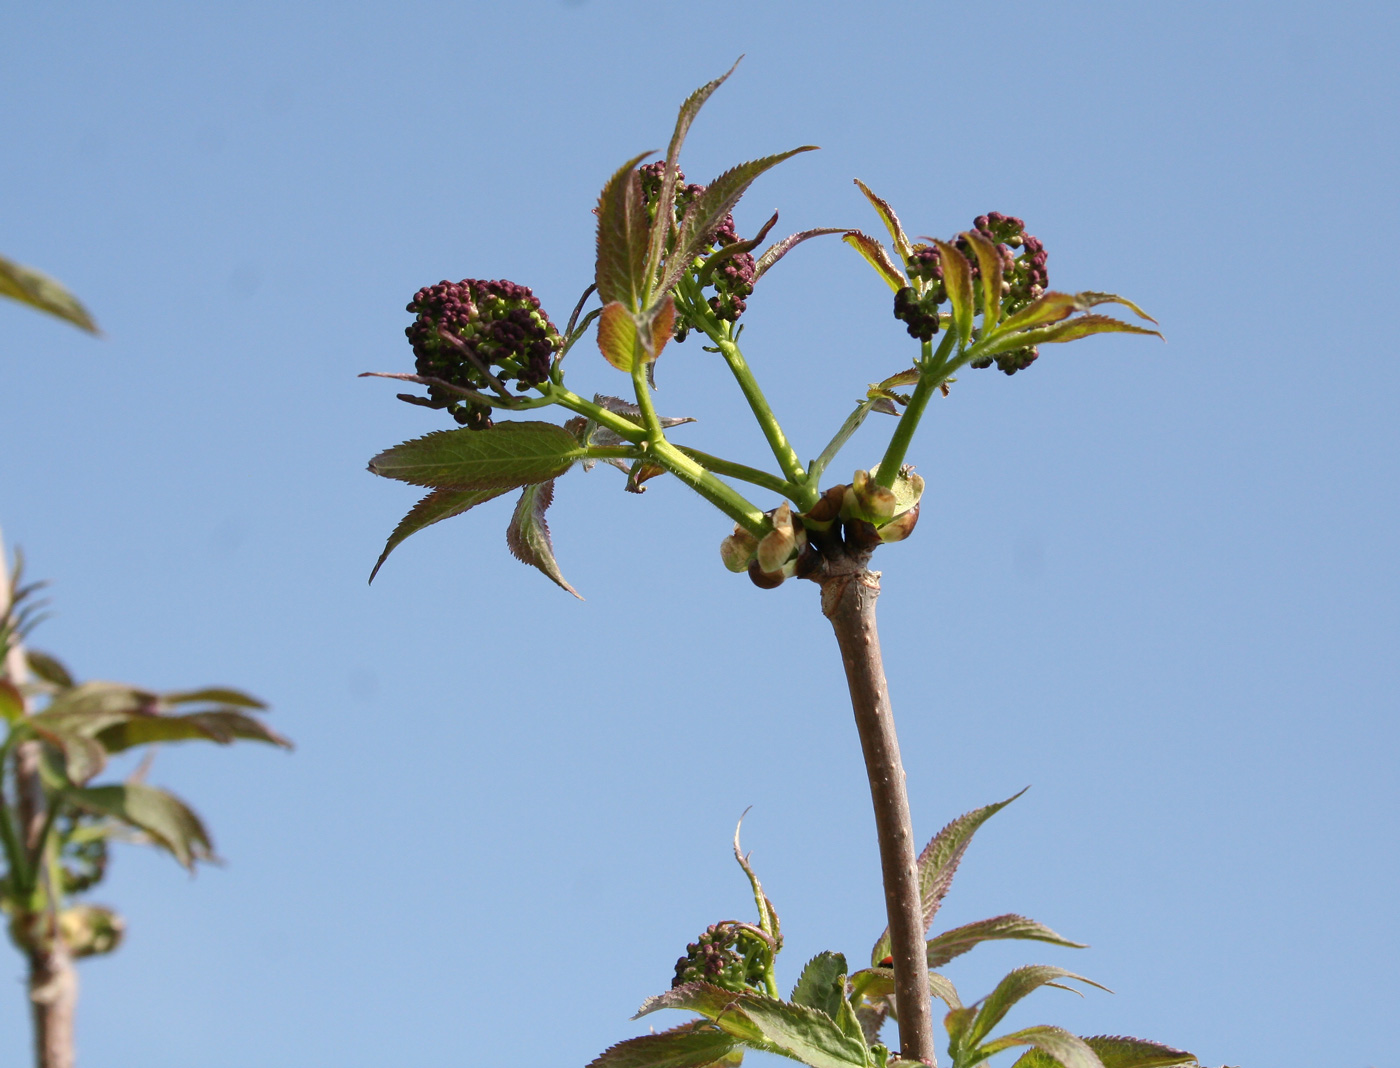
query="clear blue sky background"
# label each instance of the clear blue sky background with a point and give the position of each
(1156, 582)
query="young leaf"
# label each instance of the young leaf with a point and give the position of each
(83, 756)
(697, 1044)
(1118, 1051)
(1052, 307)
(49, 668)
(439, 505)
(773, 253)
(223, 726)
(822, 984)
(767, 914)
(957, 280)
(618, 338)
(528, 533)
(1066, 1049)
(11, 702)
(989, 265)
(1013, 987)
(38, 290)
(218, 695)
(959, 940)
(878, 257)
(1071, 330)
(97, 698)
(162, 815)
(504, 456)
(879, 982)
(891, 220)
(938, 863)
(622, 238)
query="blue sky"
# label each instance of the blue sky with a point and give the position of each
(1158, 583)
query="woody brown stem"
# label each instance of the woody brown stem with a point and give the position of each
(849, 592)
(53, 997)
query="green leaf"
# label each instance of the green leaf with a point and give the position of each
(622, 238)
(891, 221)
(989, 265)
(11, 702)
(713, 205)
(879, 982)
(1071, 330)
(1066, 1049)
(1052, 307)
(168, 820)
(938, 863)
(878, 257)
(223, 726)
(767, 914)
(773, 253)
(49, 668)
(903, 378)
(959, 940)
(83, 756)
(38, 290)
(439, 505)
(957, 280)
(214, 695)
(822, 984)
(528, 534)
(98, 698)
(1118, 1051)
(1013, 987)
(618, 338)
(691, 1045)
(504, 456)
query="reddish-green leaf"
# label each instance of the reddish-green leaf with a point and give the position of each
(957, 280)
(959, 940)
(219, 725)
(1052, 307)
(500, 457)
(903, 378)
(989, 265)
(434, 508)
(1065, 1049)
(38, 290)
(773, 253)
(171, 823)
(528, 533)
(618, 339)
(890, 219)
(691, 1045)
(1013, 987)
(1069, 330)
(878, 257)
(1119, 1051)
(11, 702)
(622, 237)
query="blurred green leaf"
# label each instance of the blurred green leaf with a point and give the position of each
(822, 984)
(622, 238)
(957, 280)
(891, 221)
(504, 456)
(989, 266)
(691, 1045)
(1066, 1049)
(439, 505)
(164, 817)
(11, 702)
(528, 533)
(214, 695)
(1013, 987)
(83, 756)
(959, 940)
(38, 290)
(223, 726)
(49, 668)
(95, 699)
(878, 257)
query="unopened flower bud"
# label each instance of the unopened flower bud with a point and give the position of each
(901, 526)
(738, 550)
(765, 580)
(873, 501)
(779, 544)
(861, 535)
(822, 514)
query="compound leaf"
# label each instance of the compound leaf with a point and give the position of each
(957, 280)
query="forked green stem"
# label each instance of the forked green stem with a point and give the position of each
(783, 452)
(934, 374)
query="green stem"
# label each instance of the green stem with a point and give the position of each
(934, 374)
(619, 425)
(743, 472)
(783, 452)
(719, 493)
(849, 427)
(643, 391)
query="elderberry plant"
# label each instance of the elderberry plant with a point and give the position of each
(671, 263)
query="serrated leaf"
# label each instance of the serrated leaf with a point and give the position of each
(691, 1045)
(504, 456)
(618, 339)
(957, 280)
(989, 266)
(938, 863)
(434, 508)
(872, 1021)
(891, 221)
(957, 1022)
(1070, 330)
(713, 205)
(767, 914)
(11, 702)
(879, 982)
(848, 1021)
(214, 695)
(1014, 986)
(878, 257)
(223, 726)
(1066, 1049)
(1052, 307)
(773, 253)
(1120, 1051)
(38, 290)
(528, 533)
(623, 234)
(171, 823)
(959, 940)
(903, 378)
(49, 668)
(822, 984)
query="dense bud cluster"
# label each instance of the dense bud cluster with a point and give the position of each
(731, 955)
(1024, 278)
(471, 331)
(731, 276)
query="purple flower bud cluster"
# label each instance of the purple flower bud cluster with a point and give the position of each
(728, 955)
(470, 332)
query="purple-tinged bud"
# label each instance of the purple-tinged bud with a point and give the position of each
(738, 550)
(900, 527)
(765, 580)
(860, 535)
(825, 512)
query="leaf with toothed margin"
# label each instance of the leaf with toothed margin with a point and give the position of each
(890, 219)
(878, 257)
(1117, 1051)
(1069, 330)
(620, 272)
(500, 457)
(773, 253)
(666, 203)
(1052, 307)
(528, 533)
(1065, 1049)
(938, 863)
(1014, 986)
(904, 378)
(959, 940)
(710, 208)
(957, 280)
(989, 266)
(626, 339)
(434, 508)
(601, 435)
(822, 984)
(46, 294)
(697, 1044)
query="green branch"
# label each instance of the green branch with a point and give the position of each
(743, 472)
(934, 373)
